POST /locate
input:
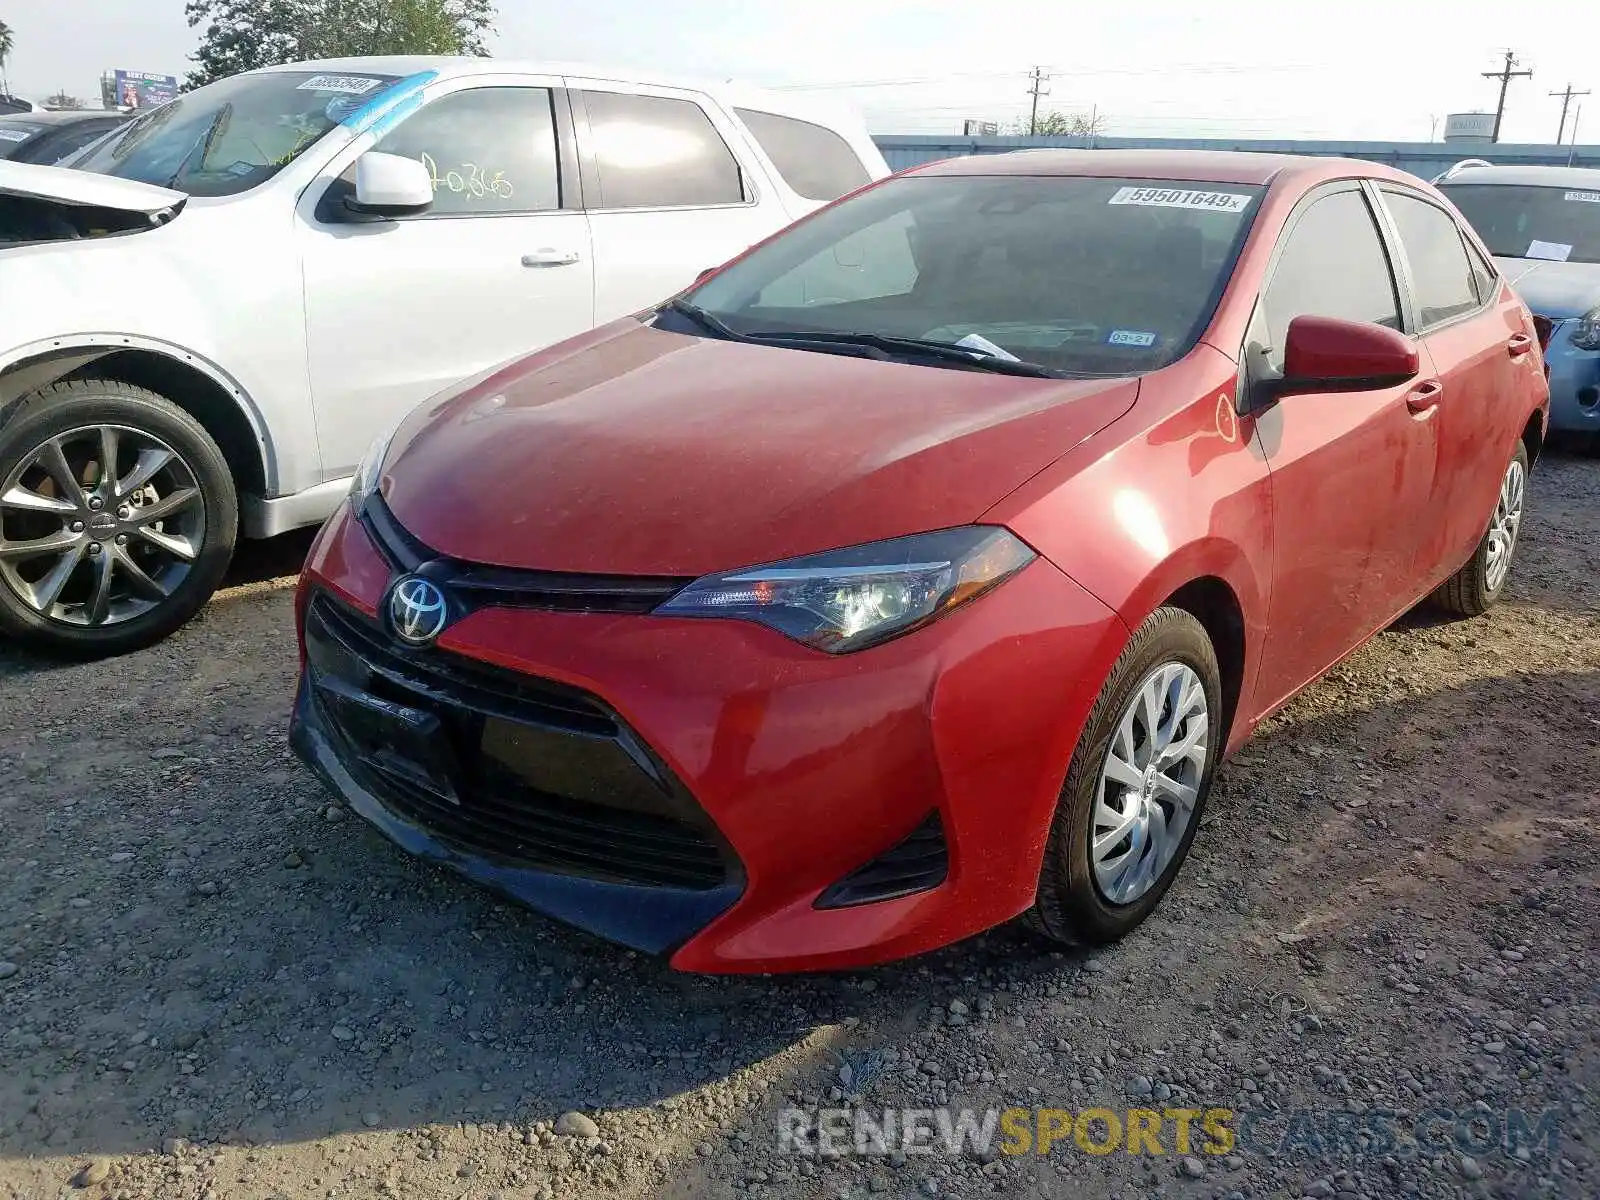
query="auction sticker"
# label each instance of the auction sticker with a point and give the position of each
(350, 85)
(15, 135)
(1180, 198)
(1130, 337)
(1583, 197)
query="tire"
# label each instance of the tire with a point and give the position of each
(1475, 588)
(1072, 905)
(157, 542)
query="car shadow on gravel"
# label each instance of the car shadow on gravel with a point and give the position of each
(241, 962)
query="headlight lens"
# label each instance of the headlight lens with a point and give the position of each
(1586, 334)
(370, 468)
(845, 600)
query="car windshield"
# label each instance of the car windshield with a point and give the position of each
(14, 132)
(1560, 223)
(1072, 274)
(233, 135)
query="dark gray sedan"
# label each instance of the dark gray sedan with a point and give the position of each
(47, 138)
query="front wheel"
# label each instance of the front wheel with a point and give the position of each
(1136, 786)
(1473, 589)
(117, 518)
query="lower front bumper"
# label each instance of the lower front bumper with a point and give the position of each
(1574, 384)
(652, 919)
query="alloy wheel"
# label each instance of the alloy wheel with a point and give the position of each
(99, 525)
(1150, 783)
(1503, 527)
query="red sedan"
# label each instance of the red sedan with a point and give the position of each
(915, 570)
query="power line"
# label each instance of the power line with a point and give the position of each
(1566, 99)
(1505, 75)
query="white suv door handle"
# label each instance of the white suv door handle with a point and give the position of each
(550, 257)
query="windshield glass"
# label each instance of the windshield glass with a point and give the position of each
(1080, 275)
(235, 134)
(1560, 223)
(14, 133)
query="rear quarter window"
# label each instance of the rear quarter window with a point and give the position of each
(813, 160)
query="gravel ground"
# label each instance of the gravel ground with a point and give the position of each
(215, 985)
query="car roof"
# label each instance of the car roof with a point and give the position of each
(61, 117)
(463, 66)
(1199, 166)
(1586, 177)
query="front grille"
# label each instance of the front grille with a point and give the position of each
(475, 585)
(918, 864)
(576, 793)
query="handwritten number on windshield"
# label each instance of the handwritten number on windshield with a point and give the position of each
(469, 180)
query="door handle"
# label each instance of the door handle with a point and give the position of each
(550, 257)
(1518, 345)
(1424, 397)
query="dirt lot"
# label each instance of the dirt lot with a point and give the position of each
(214, 984)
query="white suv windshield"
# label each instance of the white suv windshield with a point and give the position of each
(235, 134)
(1073, 274)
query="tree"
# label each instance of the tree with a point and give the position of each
(1062, 124)
(6, 43)
(62, 100)
(240, 35)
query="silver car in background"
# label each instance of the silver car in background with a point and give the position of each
(1543, 226)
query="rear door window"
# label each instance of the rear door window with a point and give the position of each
(1332, 265)
(1441, 274)
(813, 160)
(658, 152)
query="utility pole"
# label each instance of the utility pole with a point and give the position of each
(1505, 75)
(1566, 99)
(1037, 89)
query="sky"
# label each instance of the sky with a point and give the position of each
(1378, 69)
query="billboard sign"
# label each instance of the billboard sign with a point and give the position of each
(1469, 127)
(140, 90)
(980, 128)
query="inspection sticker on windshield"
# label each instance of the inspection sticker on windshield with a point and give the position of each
(1130, 337)
(350, 85)
(1583, 197)
(1551, 251)
(1180, 198)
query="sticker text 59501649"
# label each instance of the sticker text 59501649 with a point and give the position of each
(1181, 198)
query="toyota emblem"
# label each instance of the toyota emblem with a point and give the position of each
(418, 610)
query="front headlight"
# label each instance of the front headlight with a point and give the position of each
(370, 468)
(1586, 333)
(844, 600)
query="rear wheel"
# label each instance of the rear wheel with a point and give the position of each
(117, 518)
(1473, 589)
(1136, 786)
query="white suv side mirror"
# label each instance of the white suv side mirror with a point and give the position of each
(390, 186)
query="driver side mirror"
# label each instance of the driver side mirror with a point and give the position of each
(1326, 354)
(390, 186)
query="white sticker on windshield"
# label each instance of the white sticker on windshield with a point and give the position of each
(1583, 197)
(1180, 198)
(352, 85)
(1130, 337)
(14, 135)
(1554, 251)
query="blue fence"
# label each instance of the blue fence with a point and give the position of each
(1426, 159)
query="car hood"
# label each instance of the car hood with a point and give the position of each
(1553, 289)
(641, 452)
(87, 188)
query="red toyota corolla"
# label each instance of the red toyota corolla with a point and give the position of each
(915, 570)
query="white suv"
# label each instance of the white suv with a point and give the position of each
(209, 319)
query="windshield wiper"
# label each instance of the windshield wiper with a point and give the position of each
(891, 344)
(869, 345)
(213, 131)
